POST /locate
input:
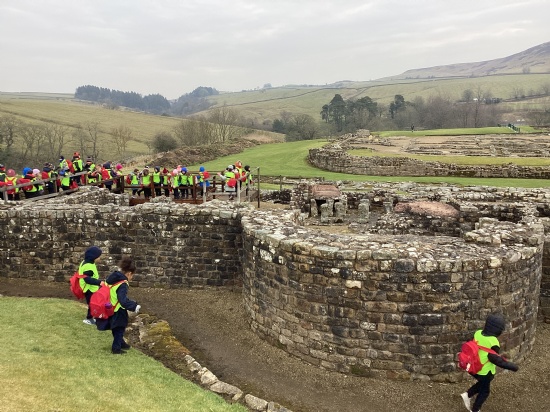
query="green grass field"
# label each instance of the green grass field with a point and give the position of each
(51, 361)
(289, 159)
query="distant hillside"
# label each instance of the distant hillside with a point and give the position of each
(533, 60)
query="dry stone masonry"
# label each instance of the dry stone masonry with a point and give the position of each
(334, 157)
(394, 299)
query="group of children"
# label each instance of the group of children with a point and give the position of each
(180, 182)
(69, 174)
(118, 283)
(66, 175)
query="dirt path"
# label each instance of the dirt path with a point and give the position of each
(213, 325)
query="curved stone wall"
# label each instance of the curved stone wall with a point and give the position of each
(371, 305)
(396, 307)
(337, 160)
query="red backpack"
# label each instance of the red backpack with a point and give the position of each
(100, 303)
(75, 285)
(70, 166)
(105, 174)
(468, 358)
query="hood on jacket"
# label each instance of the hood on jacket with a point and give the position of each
(494, 325)
(115, 277)
(92, 253)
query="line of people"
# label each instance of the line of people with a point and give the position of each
(68, 174)
(180, 182)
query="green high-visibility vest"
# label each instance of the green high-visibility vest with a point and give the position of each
(114, 298)
(84, 267)
(487, 342)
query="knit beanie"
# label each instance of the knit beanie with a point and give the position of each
(92, 253)
(494, 325)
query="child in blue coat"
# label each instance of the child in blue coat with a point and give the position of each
(122, 304)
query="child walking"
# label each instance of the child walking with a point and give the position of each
(91, 282)
(487, 337)
(118, 280)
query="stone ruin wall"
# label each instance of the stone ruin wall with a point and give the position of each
(371, 305)
(334, 159)
(173, 246)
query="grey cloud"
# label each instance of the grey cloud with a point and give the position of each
(171, 47)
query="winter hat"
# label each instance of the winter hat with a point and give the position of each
(175, 172)
(107, 165)
(157, 168)
(26, 170)
(184, 169)
(88, 160)
(118, 166)
(35, 172)
(230, 167)
(201, 169)
(11, 173)
(76, 155)
(61, 158)
(92, 253)
(494, 325)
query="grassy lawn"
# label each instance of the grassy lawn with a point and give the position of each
(51, 361)
(289, 159)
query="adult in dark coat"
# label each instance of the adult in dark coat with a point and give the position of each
(119, 321)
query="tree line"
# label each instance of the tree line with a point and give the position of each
(186, 104)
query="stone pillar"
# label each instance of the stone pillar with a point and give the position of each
(364, 210)
(339, 212)
(313, 212)
(388, 205)
(325, 213)
(330, 203)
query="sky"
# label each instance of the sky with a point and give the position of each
(171, 47)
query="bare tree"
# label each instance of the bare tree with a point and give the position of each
(9, 127)
(33, 139)
(122, 135)
(224, 122)
(54, 140)
(92, 129)
(79, 136)
(540, 117)
(194, 132)
(302, 127)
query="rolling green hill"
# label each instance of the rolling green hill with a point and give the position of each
(522, 80)
(267, 104)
